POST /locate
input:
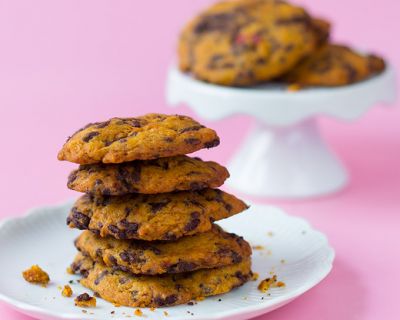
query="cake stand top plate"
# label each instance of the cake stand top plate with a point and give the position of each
(273, 104)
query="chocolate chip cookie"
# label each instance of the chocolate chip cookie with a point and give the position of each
(125, 289)
(335, 65)
(142, 138)
(245, 42)
(210, 249)
(148, 177)
(165, 216)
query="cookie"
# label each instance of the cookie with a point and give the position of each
(165, 216)
(245, 42)
(121, 288)
(148, 177)
(210, 249)
(142, 138)
(335, 65)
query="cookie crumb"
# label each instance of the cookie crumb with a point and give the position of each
(166, 313)
(112, 312)
(255, 276)
(84, 311)
(138, 313)
(269, 283)
(36, 275)
(270, 234)
(85, 301)
(293, 87)
(70, 271)
(67, 291)
(283, 261)
(258, 247)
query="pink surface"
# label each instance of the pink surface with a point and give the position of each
(65, 63)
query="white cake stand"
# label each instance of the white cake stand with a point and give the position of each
(284, 156)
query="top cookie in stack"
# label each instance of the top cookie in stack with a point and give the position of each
(150, 209)
(148, 137)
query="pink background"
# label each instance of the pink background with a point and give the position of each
(66, 63)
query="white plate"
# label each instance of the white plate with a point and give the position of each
(299, 255)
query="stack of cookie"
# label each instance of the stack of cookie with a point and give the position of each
(148, 213)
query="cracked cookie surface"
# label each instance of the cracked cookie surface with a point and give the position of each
(245, 42)
(335, 65)
(148, 177)
(142, 138)
(164, 216)
(157, 291)
(210, 249)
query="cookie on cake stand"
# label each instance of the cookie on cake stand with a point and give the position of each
(284, 155)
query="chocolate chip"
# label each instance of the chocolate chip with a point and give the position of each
(351, 72)
(241, 276)
(103, 124)
(193, 128)
(134, 294)
(119, 234)
(198, 186)
(157, 206)
(228, 207)
(83, 297)
(90, 136)
(300, 19)
(216, 22)
(169, 300)
(99, 252)
(192, 141)
(261, 61)
(123, 280)
(100, 277)
(168, 139)
(212, 143)
(182, 266)
(78, 220)
(113, 260)
(193, 222)
(131, 257)
(130, 228)
(135, 123)
(84, 273)
(236, 258)
(135, 175)
(72, 177)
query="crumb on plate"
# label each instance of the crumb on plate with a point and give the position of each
(255, 276)
(85, 301)
(269, 283)
(66, 291)
(138, 312)
(69, 270)
(35, 274)
(293, 87)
